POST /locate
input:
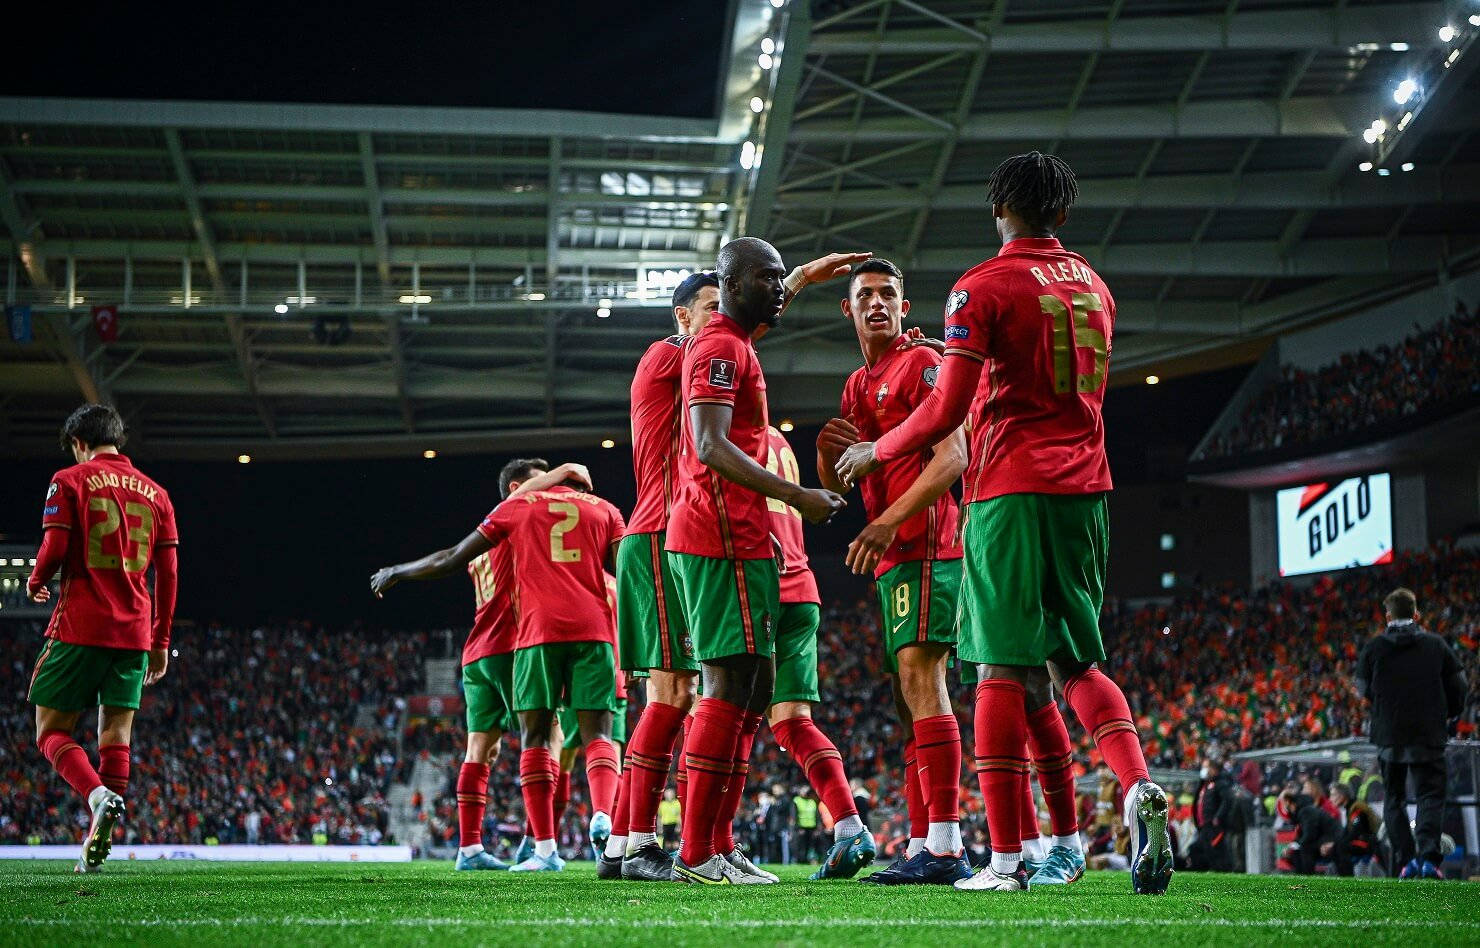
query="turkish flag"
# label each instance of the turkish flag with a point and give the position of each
(105, 321)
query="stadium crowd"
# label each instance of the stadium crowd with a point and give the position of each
(1361, 389)
(256, 736)
(252, 737)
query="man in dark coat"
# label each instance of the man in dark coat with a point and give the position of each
(1416, 687)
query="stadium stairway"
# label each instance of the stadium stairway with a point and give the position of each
(443, 675)
(429, 775)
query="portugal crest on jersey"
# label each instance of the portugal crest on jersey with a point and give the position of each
(879, 397)
(955, 301)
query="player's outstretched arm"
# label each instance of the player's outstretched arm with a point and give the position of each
(945, 467)
(711, 425)
(432, 566)
(821, 270)
(929, 423)
(554, 478)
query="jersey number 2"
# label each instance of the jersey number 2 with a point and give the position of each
(1072, 332)
(112, 520)
(558, 552)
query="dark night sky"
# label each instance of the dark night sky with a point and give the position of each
(557, 54)
(295, 540)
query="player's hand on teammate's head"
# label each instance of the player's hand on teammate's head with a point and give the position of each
(833, 265)
(382, 580)
(577, 472)
(837, 436)
(868, 547)
(856, 462)
(159, 663)
(914, 339)
(818, 505)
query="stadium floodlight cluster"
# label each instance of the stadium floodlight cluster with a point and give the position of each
(1414, 90)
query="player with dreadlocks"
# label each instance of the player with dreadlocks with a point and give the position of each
(1038, 319)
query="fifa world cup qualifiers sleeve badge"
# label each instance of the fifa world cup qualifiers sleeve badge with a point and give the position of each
(722, 373)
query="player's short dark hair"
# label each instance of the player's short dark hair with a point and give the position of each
(875, 265)
(519, 469)
(95, 426)
(1343, 788)
(1036, 186)
(1401, 603)
(684, 293)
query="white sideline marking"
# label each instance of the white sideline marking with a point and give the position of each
(1026, 923)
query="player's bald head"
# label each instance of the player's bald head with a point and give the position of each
(750, 274)
(745, 255)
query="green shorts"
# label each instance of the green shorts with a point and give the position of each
(796, 652)
(650, 622)
(570, 726)
(579, 675)
(731, 605)
(1035, 579)
(72, 677)
(918, 600)
(488, 692)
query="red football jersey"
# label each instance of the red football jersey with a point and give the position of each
(713, 516)
(797, 582)
(115, 517)
(877, 399)
(611, 603)
(657, 432)
(494, 623)
(1041, 321)
(561, 540)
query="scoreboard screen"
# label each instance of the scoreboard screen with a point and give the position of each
(1336, 525)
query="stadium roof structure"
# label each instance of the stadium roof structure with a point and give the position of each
(500, 271)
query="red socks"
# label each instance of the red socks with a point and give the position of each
(1001, 765)
(472, 801)
(602, 773)
(562, 794)
(820, 761)
(537, 780)
(724, 822)
(914, 794)
(938, 753)
(681, 779)
(1028, 813)
(622, 816)
(649, 755)
(70, 760)
(1101, 709)
(1048, 743)
(113, 766)
(709, 751)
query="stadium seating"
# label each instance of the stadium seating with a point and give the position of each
(1426, 374)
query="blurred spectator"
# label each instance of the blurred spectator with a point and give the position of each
(1211, 849)
(1357, 847)
(1361, 389)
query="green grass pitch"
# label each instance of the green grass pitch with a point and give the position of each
(165, 903)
